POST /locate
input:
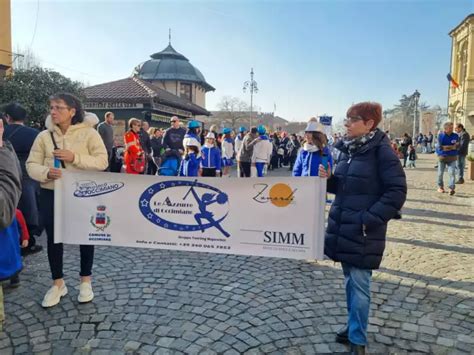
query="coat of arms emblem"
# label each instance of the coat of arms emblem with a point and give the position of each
(100, 220)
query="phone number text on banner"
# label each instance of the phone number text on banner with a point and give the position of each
(275, 217)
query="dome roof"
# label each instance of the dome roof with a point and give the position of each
(171, 65)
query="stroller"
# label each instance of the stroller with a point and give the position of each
(116, 160)
(170, 164)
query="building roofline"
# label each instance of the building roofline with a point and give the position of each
(460, 24)
(153, 93)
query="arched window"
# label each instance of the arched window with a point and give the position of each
(463, 63)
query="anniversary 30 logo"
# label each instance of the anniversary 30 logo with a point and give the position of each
(89, 188)
(186, 206)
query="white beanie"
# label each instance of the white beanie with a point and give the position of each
(210, 135)
(313, 126)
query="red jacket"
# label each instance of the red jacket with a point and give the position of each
(133, 150)
(24, 234)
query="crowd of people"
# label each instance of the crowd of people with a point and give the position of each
(451, 146)
(362, 167)
(194, 151)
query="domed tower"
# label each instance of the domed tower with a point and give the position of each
(173, 72)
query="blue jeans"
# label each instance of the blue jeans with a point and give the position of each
(461, 165)
(451, 172)
(357, 282)
(259, 167)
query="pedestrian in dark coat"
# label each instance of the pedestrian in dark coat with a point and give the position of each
(10, 181)
(370, 188)
(406, 142)
(22, 137)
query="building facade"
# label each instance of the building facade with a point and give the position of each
(461, 98)
(6, 55)
(172, 71)
(166, 85)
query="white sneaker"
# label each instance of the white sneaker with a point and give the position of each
(85, 292)
(53, 296)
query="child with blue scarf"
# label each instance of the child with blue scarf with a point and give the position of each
(315, 152)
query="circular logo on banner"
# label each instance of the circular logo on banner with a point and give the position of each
(182, 205)
(279, 195)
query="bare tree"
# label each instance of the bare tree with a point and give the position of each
(233, 110)
(25, 59)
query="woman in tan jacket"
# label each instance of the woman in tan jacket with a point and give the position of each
(73, 144)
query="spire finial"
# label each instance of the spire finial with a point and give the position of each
(170, 36)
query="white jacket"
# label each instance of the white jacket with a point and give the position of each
(237, 144)
(227, 149)
(82, 139)
(262, 151)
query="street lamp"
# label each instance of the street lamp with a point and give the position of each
(252, 87)
(416, 97)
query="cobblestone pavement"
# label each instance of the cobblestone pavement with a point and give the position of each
(166, 302)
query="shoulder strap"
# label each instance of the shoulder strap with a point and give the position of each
(56, 147)
(13, 133)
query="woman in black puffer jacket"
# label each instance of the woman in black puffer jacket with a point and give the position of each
(370, 187)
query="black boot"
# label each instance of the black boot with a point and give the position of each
(342, 336)
(357, 349)
(15, 281)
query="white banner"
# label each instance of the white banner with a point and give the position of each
(277, 217)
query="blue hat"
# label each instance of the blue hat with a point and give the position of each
(194, 124)
(242, 129)
(261, 130)
(226, 130)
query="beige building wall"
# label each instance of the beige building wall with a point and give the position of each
(170, 86)
(199, 96)
(197, 92)
(6, 56)
(428, 122)
(461, 99)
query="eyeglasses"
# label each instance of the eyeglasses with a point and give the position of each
(173, 121)
(58, 108)
(354, 119)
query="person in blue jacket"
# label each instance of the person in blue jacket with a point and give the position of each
(192, 135)
(314, 152)
(10, 258)
(190, 163)
(447, 151)
(210, 157)
(370, 188)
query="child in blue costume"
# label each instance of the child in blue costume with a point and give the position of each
(210, 157)
(190, 163)
(192, 135)
(192, 147)
(315, 151)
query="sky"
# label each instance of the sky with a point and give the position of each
(309, 57)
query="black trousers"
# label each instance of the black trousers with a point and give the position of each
(209, 172)
(55, 251)
(245, 168)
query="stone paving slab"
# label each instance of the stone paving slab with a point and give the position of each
(172, 302)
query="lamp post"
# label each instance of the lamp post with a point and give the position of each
(251, 85)
(416, 97)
